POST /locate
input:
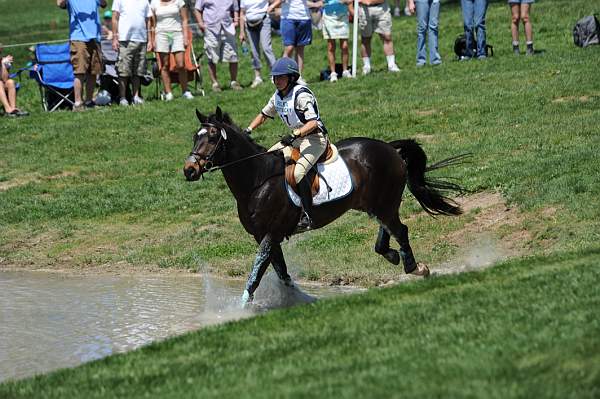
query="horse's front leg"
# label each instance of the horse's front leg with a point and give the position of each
(261, 262)
(278, 262)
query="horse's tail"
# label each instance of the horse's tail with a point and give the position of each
(429, 192)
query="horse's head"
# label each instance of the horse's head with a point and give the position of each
(209, 144)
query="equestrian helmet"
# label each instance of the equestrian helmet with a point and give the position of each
(285, 66)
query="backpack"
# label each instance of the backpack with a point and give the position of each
(586, 31)
(460, 48)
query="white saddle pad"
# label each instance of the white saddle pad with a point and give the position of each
(338, 180)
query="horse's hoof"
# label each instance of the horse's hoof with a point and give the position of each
(246, 300)
(421, 270)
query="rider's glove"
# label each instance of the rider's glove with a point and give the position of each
(287, 140)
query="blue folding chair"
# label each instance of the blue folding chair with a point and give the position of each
(54, 73)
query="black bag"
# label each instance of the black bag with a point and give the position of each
(586, 31)
(460, 48)
(326, 73)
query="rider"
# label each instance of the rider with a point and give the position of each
(297, 107)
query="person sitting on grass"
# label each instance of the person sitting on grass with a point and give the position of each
(8, 89)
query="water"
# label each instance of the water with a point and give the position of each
(50, 321)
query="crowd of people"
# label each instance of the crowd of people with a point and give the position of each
(135, 27)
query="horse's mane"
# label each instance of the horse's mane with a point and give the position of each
(229, 123)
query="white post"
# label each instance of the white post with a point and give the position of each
(355, 38)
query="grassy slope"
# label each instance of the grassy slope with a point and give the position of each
(524, 329)
(105, 187)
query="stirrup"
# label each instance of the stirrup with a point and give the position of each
(305, 222)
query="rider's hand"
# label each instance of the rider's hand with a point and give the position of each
(287, 140)
(247, 130)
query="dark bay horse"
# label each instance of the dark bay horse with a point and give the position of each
(380, 171)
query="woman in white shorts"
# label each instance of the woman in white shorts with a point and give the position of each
(519, 10)
(170, 36)
(335, 27)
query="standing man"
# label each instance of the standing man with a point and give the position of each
(86, 56)
(131, 27)
(474, 20)
(375, 16)
(218, 20)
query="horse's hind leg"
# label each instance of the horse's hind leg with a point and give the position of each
(278, 262)
(382, 247)
(400, 233)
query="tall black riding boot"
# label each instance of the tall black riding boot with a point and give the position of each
(305, 193)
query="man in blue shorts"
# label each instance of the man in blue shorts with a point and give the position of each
(296, 28)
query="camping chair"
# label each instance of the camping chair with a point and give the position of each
(190, 64)
(53, 72)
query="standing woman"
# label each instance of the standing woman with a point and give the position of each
(170, 36)
(520, 12)
(428, 15)
(255, 25)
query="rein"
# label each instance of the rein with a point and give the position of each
(208, 167)
(215, 168)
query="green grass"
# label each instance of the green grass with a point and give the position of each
(529, 122)
(103, 187)
(526, 328)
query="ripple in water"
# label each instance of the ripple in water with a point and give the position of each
(50, 321)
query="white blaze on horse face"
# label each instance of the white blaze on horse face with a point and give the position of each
(202, 131)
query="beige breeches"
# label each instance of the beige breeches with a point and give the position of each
(311, 148)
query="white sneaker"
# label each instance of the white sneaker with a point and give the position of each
(407, 11)
(215, 87)
(346, 74)
(138, 100)
(187, 95)
(235, 85)
(167, 96)
(124, 102)
(256, 82)
(393, 68)
(396, 12)
(366, 70)
(333, 77)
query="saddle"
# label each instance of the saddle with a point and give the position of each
(329, 155)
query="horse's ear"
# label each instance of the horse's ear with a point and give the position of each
(201, 118)
(227, 119)
(219, 114)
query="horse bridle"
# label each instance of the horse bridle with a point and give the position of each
(209, 164)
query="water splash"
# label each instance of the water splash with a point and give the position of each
(482, 253)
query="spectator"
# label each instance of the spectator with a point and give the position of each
(169, 35)
(297, 108)
(335, 26)
(520, 12)
(428, 13)
(218, 20)
(107, 25)
(398, 8)
(8, 89)
(375, 16)
(130, 27)
(296, 29)
(474, 20)
(84, 36)
(254, 18)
